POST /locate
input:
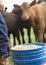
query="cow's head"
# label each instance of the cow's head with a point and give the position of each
(26, 9)
(25, 15)
(17, 9)
(27, 5)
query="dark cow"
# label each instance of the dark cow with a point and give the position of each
(37, 18)
(12, 25)
(17, 10)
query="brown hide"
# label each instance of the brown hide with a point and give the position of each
(37, 17)
(12, 24)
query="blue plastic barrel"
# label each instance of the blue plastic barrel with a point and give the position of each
(30, 57)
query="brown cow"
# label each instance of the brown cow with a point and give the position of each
(18, 10)
(12, 25)
(37, 17)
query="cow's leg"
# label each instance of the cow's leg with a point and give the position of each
(43, 38)
(9, 38)
(29, 35)
(40, 36)
(14, 43)
(18, 37)
(22, 34)
(35, 33)
(8, 47)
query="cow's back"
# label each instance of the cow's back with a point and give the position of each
(40, 11)
(10, 20)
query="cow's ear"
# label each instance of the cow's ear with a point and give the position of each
(16, 6)
(33, 3)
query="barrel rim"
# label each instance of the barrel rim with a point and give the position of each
(43, 44)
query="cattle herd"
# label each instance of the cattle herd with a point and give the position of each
(26, 16)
